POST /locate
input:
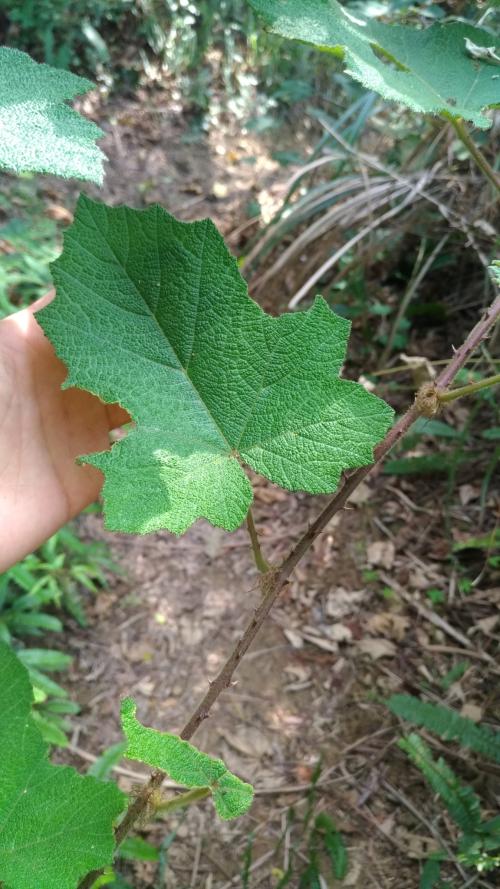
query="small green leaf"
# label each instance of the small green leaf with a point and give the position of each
(489, 542)
(334, 845)
(55, 825)
(494, 270)
(448, 724)
(137, 849)
(431, 874)
(24, 624)
(424, 426)
(460, 800)
(428, 464)
(104, 764)
(454, 674)
(492, 434)
(39, 131)
(43, 683)
(185, 764)
(153, 313)
(428, 69)
(50, 732)
(44, 659)
(310, 878)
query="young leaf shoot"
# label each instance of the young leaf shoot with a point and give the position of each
(186, 764)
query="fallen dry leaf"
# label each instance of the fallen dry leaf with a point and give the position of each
(341, 602)
(339, 633)
(416, 845)
(467, 493)
(321, 642)
(59, 213)
(299, 672)
(139, 652)
(361, 494)
(418, 580)
(248, 740)
(377, 648)
(381, 552)
(472, 711)
(294, 638)
(487, 624)
(269, 494)
(388, 624)
(422, 370)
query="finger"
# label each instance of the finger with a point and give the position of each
(43, 301)
(116, 415)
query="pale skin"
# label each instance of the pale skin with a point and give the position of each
(43, 429)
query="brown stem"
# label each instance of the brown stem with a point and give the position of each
(275, 579)
(260, 561)
(474, 339)
(477, 155)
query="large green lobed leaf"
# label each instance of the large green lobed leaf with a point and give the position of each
(153, 313)
(186, 764)
(430, 70)
(55, 825)
(39, 132)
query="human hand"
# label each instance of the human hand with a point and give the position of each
(42, 430)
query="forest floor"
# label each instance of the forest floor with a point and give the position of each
(354, 625)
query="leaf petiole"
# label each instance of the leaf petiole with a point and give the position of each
(182, 800)
(261, 563)
(477, 155)
(451, 395)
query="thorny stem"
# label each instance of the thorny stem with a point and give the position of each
(260, 561)
(477, 155)
(451, 394)
(274, 580)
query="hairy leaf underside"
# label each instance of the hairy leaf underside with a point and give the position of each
(185, 764)
(432, 70)
(39, 132)
(154, 314)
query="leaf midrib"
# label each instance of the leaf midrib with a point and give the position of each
(153, 316)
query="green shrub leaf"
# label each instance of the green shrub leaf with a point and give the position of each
(39, 131)
(494, 269)
(431, 874)
(105, 763)
(185, 764)
(153, 313)
(431, 70)
(448, 724)
(55, 825)
(334, 845)
(460, 799)
(138, 849)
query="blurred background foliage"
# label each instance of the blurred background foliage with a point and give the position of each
(383, 212)
(380, 210)
(36, 598)
(196, 43)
